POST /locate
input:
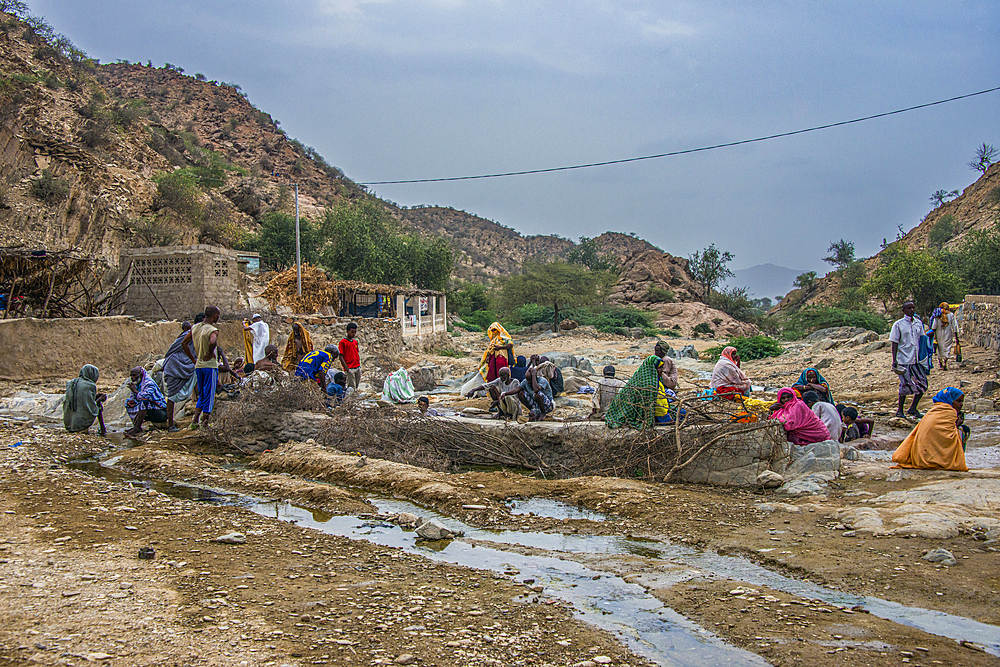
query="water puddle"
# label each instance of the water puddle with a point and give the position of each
(606, 601)
(552, 509)
(626, 610)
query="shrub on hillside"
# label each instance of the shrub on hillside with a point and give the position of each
(657, 294)
(49, 189)
(749, 348)
(735, 302)
(814, 318)
(703, 328)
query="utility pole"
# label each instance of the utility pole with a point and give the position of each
(298, 254)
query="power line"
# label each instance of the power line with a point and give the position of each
(688, 150)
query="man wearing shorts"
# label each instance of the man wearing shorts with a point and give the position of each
(350, 356)
(205, 336)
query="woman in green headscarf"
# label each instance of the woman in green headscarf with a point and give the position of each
(82, 403)
(635, 404)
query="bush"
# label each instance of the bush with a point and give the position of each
(481, 319)
(735, 302)
(177, 191)
(703, 328)
(468, 298)
(468, 327)
(749, 348)
(942, 231)
(805, 280)
(657, 294)
(814, 318)
(153, 232)
(49, 189)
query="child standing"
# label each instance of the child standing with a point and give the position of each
(350, 356)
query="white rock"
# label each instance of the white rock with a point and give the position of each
(432, 530)
(770, 479)
(231, 538)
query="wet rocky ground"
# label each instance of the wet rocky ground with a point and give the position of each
(582, 571)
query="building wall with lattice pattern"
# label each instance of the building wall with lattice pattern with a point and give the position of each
(180, 280)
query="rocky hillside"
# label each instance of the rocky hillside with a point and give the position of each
(85, 145)
(976, 209)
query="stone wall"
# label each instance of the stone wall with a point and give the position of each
(58, 348)
(181, 280)
(981, 321)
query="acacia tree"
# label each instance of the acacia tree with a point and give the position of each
(986, 155)
(588, 253)
(943, 196)
(710, 267)
(558, 283)
(841, 253)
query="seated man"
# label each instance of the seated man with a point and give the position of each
(424, 405)
(337, 387)
(607, 388)
(270, 361)
(534, 393)
(668, 372)
(826, 412)
(508, 407)
(147, 402)
(315, 364)
(82, 403)
(855, 426)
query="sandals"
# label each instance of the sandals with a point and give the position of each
(914, 413)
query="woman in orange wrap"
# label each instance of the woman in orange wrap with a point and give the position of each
(936, 442)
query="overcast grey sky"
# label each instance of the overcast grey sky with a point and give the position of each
(388, 90)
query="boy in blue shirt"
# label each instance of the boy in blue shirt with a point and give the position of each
(315, 364)
(336, 389)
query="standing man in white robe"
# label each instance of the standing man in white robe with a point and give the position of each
(261, 337)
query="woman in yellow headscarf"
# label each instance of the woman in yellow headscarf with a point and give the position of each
(496, 355)
(945, 329)
(299, 345)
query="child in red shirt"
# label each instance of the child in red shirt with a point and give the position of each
(350, 356)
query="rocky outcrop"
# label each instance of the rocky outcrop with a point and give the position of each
(646, 276)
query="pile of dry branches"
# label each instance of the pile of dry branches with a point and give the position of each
(57, 284)
(571, 450)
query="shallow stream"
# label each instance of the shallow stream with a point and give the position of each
(606, 601)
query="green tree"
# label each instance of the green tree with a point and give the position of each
(852, 281)
(841, 253)
(986, 155)
(805, 280)
(468, 298)
(978, 260)
(588, 253)
(943, 196)
(363, 245)
(710, 267)
(275, 240)
(430, 262)
(905, 274)
(556, 283)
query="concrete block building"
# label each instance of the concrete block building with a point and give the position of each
(176, 282)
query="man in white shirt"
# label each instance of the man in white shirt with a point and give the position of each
(905, 338)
